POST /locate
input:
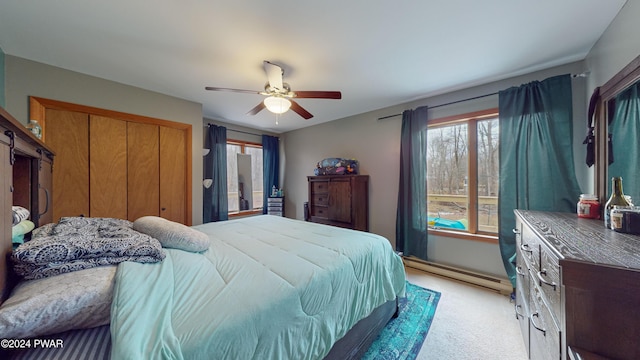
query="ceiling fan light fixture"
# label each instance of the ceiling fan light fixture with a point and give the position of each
(277, 104)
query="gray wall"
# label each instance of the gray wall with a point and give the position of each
(618, 46)
(376, 145)
(26, 78)
(2, 101)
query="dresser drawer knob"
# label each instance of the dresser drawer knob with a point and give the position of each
(525, 248)
(518, 313)
(516, 231)
(544, 281)
(537, 315)
(519, 271)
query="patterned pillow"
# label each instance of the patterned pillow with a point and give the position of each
(44, 230)
(81, 243)
(76, 300)
(172, 234)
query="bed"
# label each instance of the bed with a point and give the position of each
(265, 287)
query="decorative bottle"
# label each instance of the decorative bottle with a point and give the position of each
(35, 128)
(617, 198)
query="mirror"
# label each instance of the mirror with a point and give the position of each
(245, 190)
(618, 118)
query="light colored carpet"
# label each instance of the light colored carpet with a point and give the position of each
(470, 323)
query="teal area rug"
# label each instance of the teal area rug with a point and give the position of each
(403, 336)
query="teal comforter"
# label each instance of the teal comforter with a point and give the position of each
(267, 288)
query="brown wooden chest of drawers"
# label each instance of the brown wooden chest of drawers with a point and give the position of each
(340, 200)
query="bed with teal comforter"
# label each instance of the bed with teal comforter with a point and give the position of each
(267, 288)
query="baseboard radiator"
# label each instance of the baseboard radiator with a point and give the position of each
(497, 284)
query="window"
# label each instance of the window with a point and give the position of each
(463, 173)
(244, 176)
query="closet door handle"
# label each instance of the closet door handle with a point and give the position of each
(46, 206)
(544, 281)
(536, 314)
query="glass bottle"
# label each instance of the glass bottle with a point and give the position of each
(35, 128)
(617, 198)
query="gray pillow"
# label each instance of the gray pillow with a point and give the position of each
(75, 300)
(172, 234)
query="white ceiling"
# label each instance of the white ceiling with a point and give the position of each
(379, 53)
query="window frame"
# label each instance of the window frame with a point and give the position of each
(471, 119)
(243, 145)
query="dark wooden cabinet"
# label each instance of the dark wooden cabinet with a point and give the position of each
(340, 200)
(578, 288)
(26, 166)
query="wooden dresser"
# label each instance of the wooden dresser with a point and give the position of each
(26, 166)
(340, 200)
(578, 288)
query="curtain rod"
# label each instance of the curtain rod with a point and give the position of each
(243, 132)
(584, 74)
(449, 103)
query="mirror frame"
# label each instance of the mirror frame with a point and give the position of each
(625, 77)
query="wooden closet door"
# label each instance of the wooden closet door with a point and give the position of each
(68, 137)
(143, 162)
(173, 170)
(6, 179)
(108, 167)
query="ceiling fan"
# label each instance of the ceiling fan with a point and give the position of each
(279, 95)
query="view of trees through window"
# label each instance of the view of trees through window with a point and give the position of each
(233, 190)
(462, 175)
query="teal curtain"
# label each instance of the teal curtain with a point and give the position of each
(216, 202)
(411, 217)
(270, 166)
(536, 155)
(624, 130)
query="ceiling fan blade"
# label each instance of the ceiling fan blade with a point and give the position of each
(300, 110)
(233, 90)
(274, 74)
(256, 109)
(318, 94)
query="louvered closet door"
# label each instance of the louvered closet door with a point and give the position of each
(143, 181)
(108, 167)
(6, 173)
(173, 169)
(67, 135)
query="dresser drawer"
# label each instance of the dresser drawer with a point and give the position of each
(320, 199)
(320, 212)
(319, 186)
(530, 246)
(543, 330)
(548, 279)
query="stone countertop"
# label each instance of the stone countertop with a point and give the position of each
(582, 239)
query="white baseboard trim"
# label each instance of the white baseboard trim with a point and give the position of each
(497, 284)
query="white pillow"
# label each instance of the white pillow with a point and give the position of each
(75, 300)
(172, 234)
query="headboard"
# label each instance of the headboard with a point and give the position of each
(25, 179)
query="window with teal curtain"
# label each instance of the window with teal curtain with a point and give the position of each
(536, 155)
(216, 202)
(270, 166)
(411, 217)
(624, 130)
